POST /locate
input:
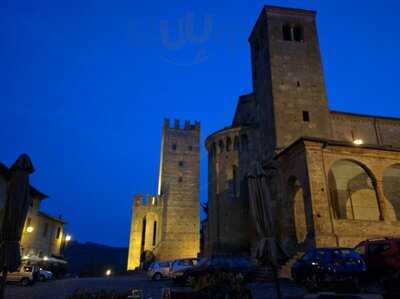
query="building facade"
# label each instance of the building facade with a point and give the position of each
(43, 236)
(167, 225)
(334, 177)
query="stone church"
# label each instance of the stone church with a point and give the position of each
(334, 176)
(167, 225)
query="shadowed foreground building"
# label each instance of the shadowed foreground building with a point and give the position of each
(334, 177)
(167, 225)
(43, 236)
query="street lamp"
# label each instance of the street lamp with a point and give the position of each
(108, 272)
(68, 238)
(29, 229)
(358, 141)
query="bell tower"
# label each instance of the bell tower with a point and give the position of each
(288, 79)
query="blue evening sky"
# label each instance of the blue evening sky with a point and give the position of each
(85, 85)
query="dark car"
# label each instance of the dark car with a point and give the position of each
(232, 264)
(382, 256)
(328, 265)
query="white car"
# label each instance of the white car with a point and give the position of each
(45, 275)
(26, 274)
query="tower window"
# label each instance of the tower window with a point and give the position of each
(287, 32)
(306, 116)
(180, 179)
(298, 83)
(181, 163)
(174, 146)
(143, 233)
(298, 33)
(190, 148)
(154, 232)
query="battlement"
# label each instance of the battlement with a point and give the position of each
(187, 125)
(147, 201)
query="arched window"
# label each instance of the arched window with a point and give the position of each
(234, 181)
(143, 234)
(236, 143)
(221, 146)
(287, 32)
(214, 148)
(245, 142)
(154, 233)
(298, 34)
(298, 211)
(352, 191)
(228, 144)
(391, 190)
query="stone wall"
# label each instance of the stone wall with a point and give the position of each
(370, 129)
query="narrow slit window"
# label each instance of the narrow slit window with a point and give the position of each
(154, 233)
(306, 116)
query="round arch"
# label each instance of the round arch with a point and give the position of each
(391, 190)
(353, 192)
(297, 202)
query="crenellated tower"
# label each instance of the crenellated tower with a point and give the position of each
(178, 183)
(168, 224)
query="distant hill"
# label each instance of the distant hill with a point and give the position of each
(91, 259)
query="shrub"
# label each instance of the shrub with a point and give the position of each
(102, 294)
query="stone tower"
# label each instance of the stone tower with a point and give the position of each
(168, 224)
(179, 184)
(288, 78)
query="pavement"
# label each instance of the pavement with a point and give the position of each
(61, 289)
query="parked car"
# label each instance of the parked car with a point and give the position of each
(26, 275)
(158, 270)
(382, 256)
(179, 266)
(45, 275)
(233, 264)
(329, 265)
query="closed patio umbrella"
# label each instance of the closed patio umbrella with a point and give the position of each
(260, 199)
(16, 209)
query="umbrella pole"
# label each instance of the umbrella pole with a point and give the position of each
(277, 282)
(3, 276)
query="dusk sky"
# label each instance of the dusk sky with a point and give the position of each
(85, 86)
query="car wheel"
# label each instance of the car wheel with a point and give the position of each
(25, 281)
(42, 278)
(157, 276)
